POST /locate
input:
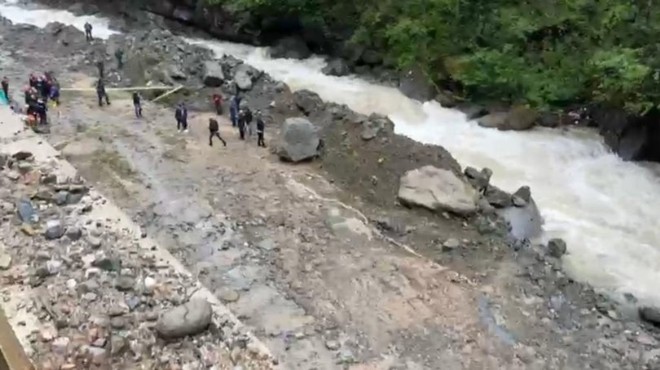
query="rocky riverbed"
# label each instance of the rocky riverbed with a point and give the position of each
(321, 259)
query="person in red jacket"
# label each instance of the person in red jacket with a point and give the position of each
(217, 103)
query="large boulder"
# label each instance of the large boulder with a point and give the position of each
(438, 190)
(631, 137)
(308, 101)
(291, 47)
(188, 319)
(213, 74)
(245, 75)
(523, 215)
(299, 140)
(518, 119)
(416, 85)
(336, 67)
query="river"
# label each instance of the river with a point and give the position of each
(603, 207)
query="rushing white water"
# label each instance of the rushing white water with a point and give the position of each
(603, 207)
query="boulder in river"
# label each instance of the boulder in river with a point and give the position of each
(416, 85)
(478, 179)
(291, 47)
(299, 140)
(438, 190)
(523, 218)
(245, 75)
(213, 75)
(336, 67)
(190, 318)
(556, 248)
(518, 119)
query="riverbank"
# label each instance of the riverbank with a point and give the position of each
(306, 248)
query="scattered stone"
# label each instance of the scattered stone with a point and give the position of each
(26, 212)
(23, 156)
(94, 242)
(299, 140)
(556, 248)
(149, 284)
(5, 261)
(117, 322)
(267, 244)
(650, 314)
(60, 346)
(245, 76)
(438, 190)
(13, 175)
(479, 179)
(74, 233)
(54, 230)
(107, 263)
(118, 345)
(96, 355)
(28, 230)
(372, 126)
(228, 295)
(308, 101)
(497, 198)
(332, 345)
(125, 283)
(336, 67)
(188, 319)
(524, 193)
(451, 244)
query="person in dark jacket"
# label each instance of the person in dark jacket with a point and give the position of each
(137, 104)
(119, 55)
(101, 67)
(247, 117)
(101, 93)
(217, 103)
(241, 124)
(261, 127)
(234, 108)
(181, 115)
(88, 31)
(55, 93)
(5, 87)
(214, 130)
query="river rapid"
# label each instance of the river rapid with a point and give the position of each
(603, 207)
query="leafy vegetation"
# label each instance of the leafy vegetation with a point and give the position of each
(545, 53)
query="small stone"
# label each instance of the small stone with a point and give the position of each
(54, 230)
(124, 283)
(61, 198)
(556, 248)
(228, 295)
(74, 233)
(332, 345)
(524, 194)
(5, 261)
(117, 323)
(150, 284)
(190, 318)
(99, 342)
(94, 242)
(107, 263)
(451, 244)
(60, 346)
(28, 230)
(91, 297)
(24, 167)
(132, 303)
(118, 345)
(518, 201)
(118, 309)
(48, 333)
(13, 175)
(97, 355)
(54, 267)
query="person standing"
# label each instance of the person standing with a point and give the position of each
(119, 54)
(101, 67)
(137, 104)
(5, 87)
(217, 102)
(88, 31)
(248, 122)
(55, 93)
(181, 115)
(261, 127)
(214, 130)
(241, 124)
(234, 109)
(101, 93)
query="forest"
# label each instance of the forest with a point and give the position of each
(543, 53)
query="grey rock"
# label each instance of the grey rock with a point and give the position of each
(54, 230)
(73, 198)
(373, 125)
(525, 221)
(556, 248)
(493, 120)
(26, 212)
(518, 118)
(497, 198)
(213, 74)
(94, 242)
(332, 345)
(524, 193)
(336, 67)
(266, 244)
(117, 322)
(74, 233)
(175, 73)
(414, 84)
(228, 295)
(245, 75)
(478, 179)
(650, 314)
(188, 319)
(125, 283)
(438, 190)
(292, 47)
(451, 244)
(107, 263)
(5, 261)
(299, 140)
(308, 101)
(118, 345)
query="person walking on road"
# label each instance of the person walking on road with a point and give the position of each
(101, 67)
(261, 127)
(181, 115)
(137, 104)
(214, 131)
(101, 93)
(119, 54)
(5, 87)
(217, 103)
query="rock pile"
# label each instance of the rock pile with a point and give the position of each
(101, 299)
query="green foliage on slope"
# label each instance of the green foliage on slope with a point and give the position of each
(545, 53)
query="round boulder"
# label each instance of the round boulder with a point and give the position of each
(299, 140)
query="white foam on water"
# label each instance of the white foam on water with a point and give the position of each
(603, 207)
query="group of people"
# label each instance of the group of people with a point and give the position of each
(39, 91)
(241, 117)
